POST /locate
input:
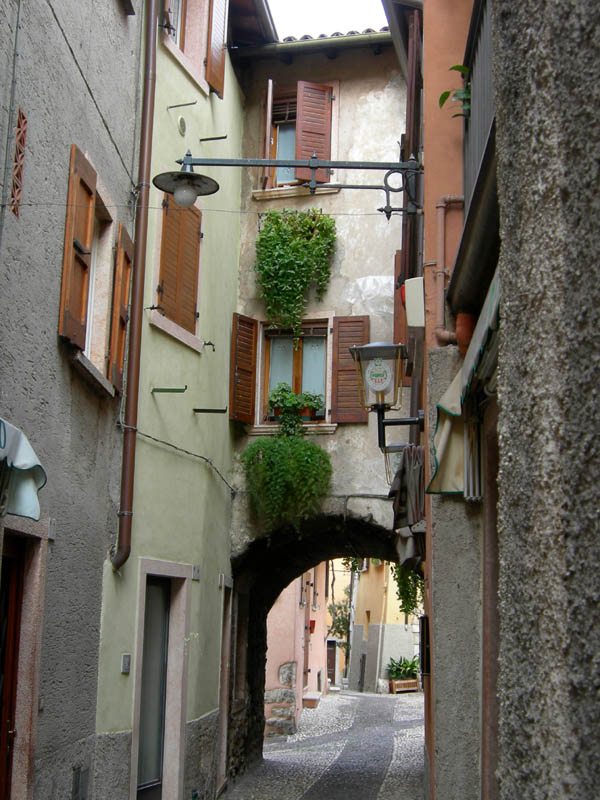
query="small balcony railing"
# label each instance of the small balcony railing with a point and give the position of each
(479, 124)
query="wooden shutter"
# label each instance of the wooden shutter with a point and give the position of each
(120, 308)
(242, 371)
(313, 126)
(179, 259)
(345, 402)
(217, 37)
(79, 234)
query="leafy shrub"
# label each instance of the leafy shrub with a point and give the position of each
(403, 668)
(287, 478)
(294, 250)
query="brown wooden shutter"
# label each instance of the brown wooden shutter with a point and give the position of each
(79, 234)
(345, 403)
(179, 258)
(217, 37)
(242, 371)
(313, 126)
(120, 308)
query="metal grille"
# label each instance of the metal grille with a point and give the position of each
(18, 164)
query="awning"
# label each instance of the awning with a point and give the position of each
(451, 448)
(481, 357)
(21, 474)
(448, 443)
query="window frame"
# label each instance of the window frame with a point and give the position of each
(249, 379)
(273, 94)
(268, 335)
(202, 43)
(157, 318)
(87, 300)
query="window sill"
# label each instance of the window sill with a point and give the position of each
(91, 374)
(310, 428)
(176, 331)
(186, 63)
(289, 191)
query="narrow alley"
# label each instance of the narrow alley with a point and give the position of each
(353, 746)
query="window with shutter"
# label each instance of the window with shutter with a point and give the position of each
(299, 122)
(345, 403)
(305, 367)
(179, 261)
(92, 280)
(77, 257)
(120, 308)
(242, 381)
(313, 126)
(216, 50)
(195, 33)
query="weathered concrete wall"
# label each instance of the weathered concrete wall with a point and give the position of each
(548, 144)
(456, 609)
(72, 56)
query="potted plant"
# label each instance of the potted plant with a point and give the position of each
(290, 409)
(311, 404)
(402, 674)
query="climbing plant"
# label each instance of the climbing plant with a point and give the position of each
(287, 478)
(409, 584)
(294, 250)
(409, 588)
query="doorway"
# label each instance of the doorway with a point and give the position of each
(153, 689)
(11, 599)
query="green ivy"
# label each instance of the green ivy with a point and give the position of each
(287, 478)
(294, 251)
(409, 588)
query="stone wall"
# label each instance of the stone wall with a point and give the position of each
(456, 609)
(548, 143)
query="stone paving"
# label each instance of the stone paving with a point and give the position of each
(351, 747)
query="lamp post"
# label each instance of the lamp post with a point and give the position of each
(379, 367)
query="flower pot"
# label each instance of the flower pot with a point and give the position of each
(465, 325)
(307, 414)
(403, 685)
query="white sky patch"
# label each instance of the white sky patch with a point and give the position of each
(326, 16)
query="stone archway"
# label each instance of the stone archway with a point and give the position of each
(261, 571)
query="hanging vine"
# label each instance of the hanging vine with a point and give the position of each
(294, 251)
(409, 588)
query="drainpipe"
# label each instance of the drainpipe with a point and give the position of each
(443, 336)
(121, 554)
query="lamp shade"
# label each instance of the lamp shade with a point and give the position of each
(185, 185)
(379, 369)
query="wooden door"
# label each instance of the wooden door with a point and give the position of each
(11, 596)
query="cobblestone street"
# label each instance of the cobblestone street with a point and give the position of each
(352, 747)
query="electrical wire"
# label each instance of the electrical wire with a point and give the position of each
(207, 460)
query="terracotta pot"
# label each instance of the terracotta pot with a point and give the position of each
(465, 325)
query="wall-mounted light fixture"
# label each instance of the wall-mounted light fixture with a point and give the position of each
(379, 366)
(185, 185)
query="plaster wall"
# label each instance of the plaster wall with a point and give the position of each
(370, 112)
(456, 611)
(549, 419)
(71, 56)
(182, 505)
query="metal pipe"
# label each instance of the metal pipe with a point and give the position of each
(411, 166)
(303, 46)
(443, 336)
(121, 554)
